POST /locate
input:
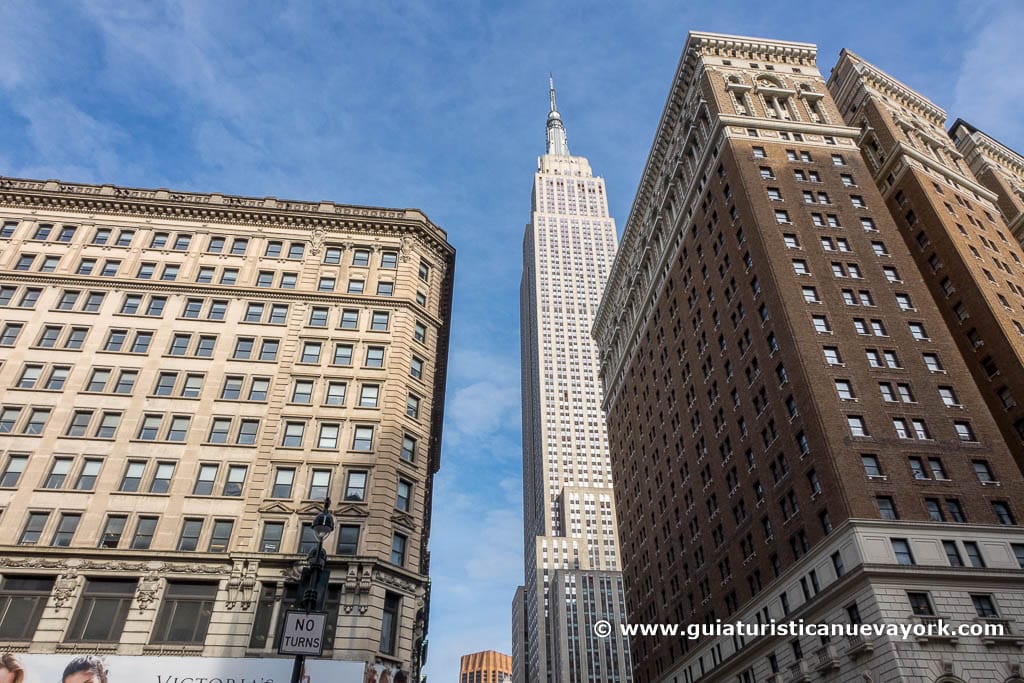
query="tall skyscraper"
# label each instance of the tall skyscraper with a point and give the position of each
(184, 378)
(953, 224)
(794, 433)
(571, 541)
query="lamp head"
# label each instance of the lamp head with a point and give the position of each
(323, 523)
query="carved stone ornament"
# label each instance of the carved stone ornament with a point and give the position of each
(149, 588)
(33, 562)
(241, 585)
(357, 584)
(316, 241)
(406, 249)
(398, 582)
(64, 588)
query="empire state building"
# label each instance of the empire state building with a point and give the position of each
(572, 572)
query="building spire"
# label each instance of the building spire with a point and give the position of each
(557, 143)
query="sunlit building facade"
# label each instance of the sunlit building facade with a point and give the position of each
(794, 432)
(184, 379)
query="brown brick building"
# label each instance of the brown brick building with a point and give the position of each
(998, 168)
(184, 378)
(952, 224)
(794, 434)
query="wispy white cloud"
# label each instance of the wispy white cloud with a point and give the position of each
(482, 415)
(989, 88)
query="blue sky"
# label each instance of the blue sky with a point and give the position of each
(439, 106)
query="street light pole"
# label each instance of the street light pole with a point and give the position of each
(315, 576)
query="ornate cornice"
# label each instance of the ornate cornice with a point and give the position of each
(988, 147)
(883, 82)
(214, 207)
(758, 49)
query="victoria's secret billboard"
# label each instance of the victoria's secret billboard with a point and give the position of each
(122, 669)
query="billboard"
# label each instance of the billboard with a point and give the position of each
(143, 669)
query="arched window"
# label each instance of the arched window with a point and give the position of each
(776, 99)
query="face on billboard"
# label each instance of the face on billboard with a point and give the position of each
(49, 668)
(7, 676)
(80, 677)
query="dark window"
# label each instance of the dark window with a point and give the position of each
(144, 531)
(307, 539)
(185, 612)
(398, 546)
(920, 604)
(389, 624)
(34, 528)
(348, 539)
(102, 610)
(190, 531)
(271, 541)
(66, 527)
(22, 601)
(112, 531)
(221, 536)
(235, 480)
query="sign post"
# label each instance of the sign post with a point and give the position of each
(303, 630)
(303, 633)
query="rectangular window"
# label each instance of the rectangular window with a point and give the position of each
(328, 437)
(220, 537)
(66, 526)
(204, 480)
(144, 532)
(389, 623)
(12, 472)
(342, 354)
(271, 539)
(102, 610)
(398, 547)
(348, 539)
(355, 486)
(185, 612)
(293, 434)
(162, 478)
(235, 480)
(112, 531)
(363, 438)
(349, 319)
(901, 548)
(952, 554)
(283, 480)
(335, 394)
(404, 496)
(368, 395)
(191, 529)
(319, 484)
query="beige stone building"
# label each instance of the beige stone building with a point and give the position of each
(184, 378)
